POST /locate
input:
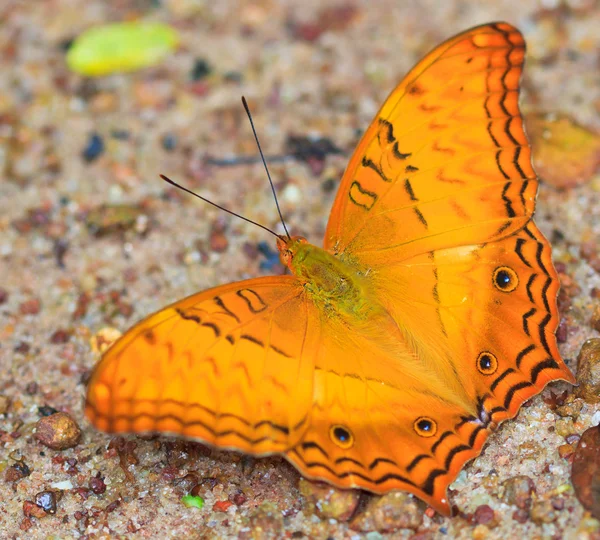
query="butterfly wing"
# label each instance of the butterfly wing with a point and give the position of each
(435, 211)
(221, 366)
(446, 161)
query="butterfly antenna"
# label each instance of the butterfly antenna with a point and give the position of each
(169, 181)
(262, 156)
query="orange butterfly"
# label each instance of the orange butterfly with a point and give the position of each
(389, 355)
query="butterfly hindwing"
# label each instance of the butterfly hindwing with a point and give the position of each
(220, 366)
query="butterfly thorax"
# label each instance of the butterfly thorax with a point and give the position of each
(333, 283)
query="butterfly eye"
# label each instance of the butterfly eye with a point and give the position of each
(425, 426)
(487, 363)
(505, 279)
(341, 436)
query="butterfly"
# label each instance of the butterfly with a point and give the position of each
(386, 358)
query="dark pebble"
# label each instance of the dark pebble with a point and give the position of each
(97, 484)
(93, 149)
(169, 142)
(200, 70)
(518, 491)
(483, 515)
(46, 410)
(47, 501)
(17, 471)
(585, 472)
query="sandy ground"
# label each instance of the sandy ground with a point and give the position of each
(306, 71)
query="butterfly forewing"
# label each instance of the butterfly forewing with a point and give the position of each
(445, 161)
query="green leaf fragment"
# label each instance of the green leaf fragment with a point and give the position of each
(192, 501)
(121, 47)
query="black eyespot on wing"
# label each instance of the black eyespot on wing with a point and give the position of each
(341, 436)
(425, 426)
(505, 279)
(487, 363)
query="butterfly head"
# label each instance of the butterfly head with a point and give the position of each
(291, 250)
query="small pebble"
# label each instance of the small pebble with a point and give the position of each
(571, 409)
(97, 484)
(595, 319)
(169, 142)
(46, 410)
(588, 371)
(238, 498)
(390, 512)
(200, 70)
(542, 512)
(3, 295)
(30, 509)
(60, 336)
(328, 502)
(484, 515)
(47, 501)
(266, 521)
(564, 426)
(585, 472)
(4, 404)
(94, 148)
(58, 431)
(518, 491)
(30, 307)
(17, 471)
(222, 506)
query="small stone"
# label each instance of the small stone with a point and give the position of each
(58, 431)
(30, 307)
(97, 484)
(595, 319)
(47, 501)
(518, 491)
(585, 472)
(17, 471)
(542, 512)
(390, 512)
(222, 506)
(169, 142)
(186, 483)
(4, 404)
(31, 388)
(588, 371)
(571, 409)
(564, 426)
(200, 70)
(93, 149)
(480, 532)
(30, 509)
(328, 502)
(565, 451)
(238, 498)
(46, 410)
(60, 336)
(266, 521)
(3, 295)
(520, 515)
(484, 515)
(102, 340)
